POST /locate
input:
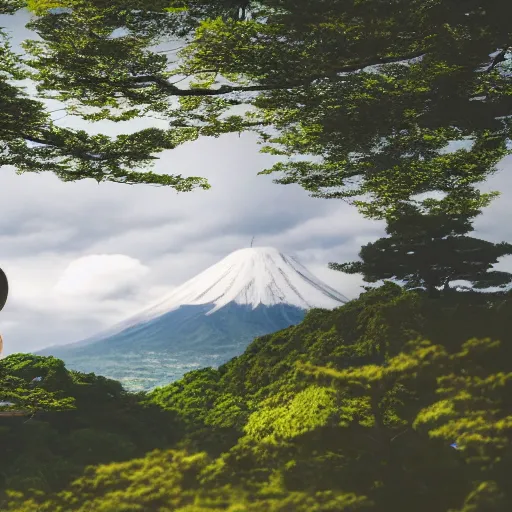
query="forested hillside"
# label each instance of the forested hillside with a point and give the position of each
(392, 402)
(70, 420)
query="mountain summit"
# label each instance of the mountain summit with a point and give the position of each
(253, 276)
(205, 321)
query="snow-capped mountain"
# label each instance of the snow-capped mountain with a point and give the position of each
(260, 275)
(207, 320)
(253, 276)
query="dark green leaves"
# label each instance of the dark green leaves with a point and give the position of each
(431, 249)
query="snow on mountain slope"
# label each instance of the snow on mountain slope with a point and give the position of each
(253, 276)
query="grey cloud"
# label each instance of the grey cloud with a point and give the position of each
(494, 223)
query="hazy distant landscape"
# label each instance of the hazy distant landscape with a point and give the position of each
(142, 371)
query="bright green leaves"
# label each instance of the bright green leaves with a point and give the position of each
(75, 155)
(372, 395)
(75, 64)
(382, 136)
(165, 481)
(228, 411)
(72, 420)
(474, 406)
(457, 398)
(97, 66)
(40, 7)
(374, 152)
(192, 397)
(485, 496)
(17, 385)
(31, 143)
(342, 412)
(373, 97)
(309, 409)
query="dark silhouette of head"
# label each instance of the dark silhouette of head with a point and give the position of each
(4, 289)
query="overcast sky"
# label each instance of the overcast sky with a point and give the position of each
(81, 257)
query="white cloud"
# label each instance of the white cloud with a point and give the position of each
(99, 276)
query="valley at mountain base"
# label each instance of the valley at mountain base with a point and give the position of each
(142, 357)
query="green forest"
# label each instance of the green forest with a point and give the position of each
(391, 402)
(399, 400)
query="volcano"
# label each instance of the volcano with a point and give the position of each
(205, 322)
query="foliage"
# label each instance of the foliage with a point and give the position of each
(431, 249)
(385, 100)
(71, 420)
(165, 481)
(391, 402)
(387, 403)
(17, 373)
(31, 142)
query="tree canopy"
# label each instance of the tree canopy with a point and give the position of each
(413, 94)
(431, 248)
(32, 142)
(387, 403)
(379, 104)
